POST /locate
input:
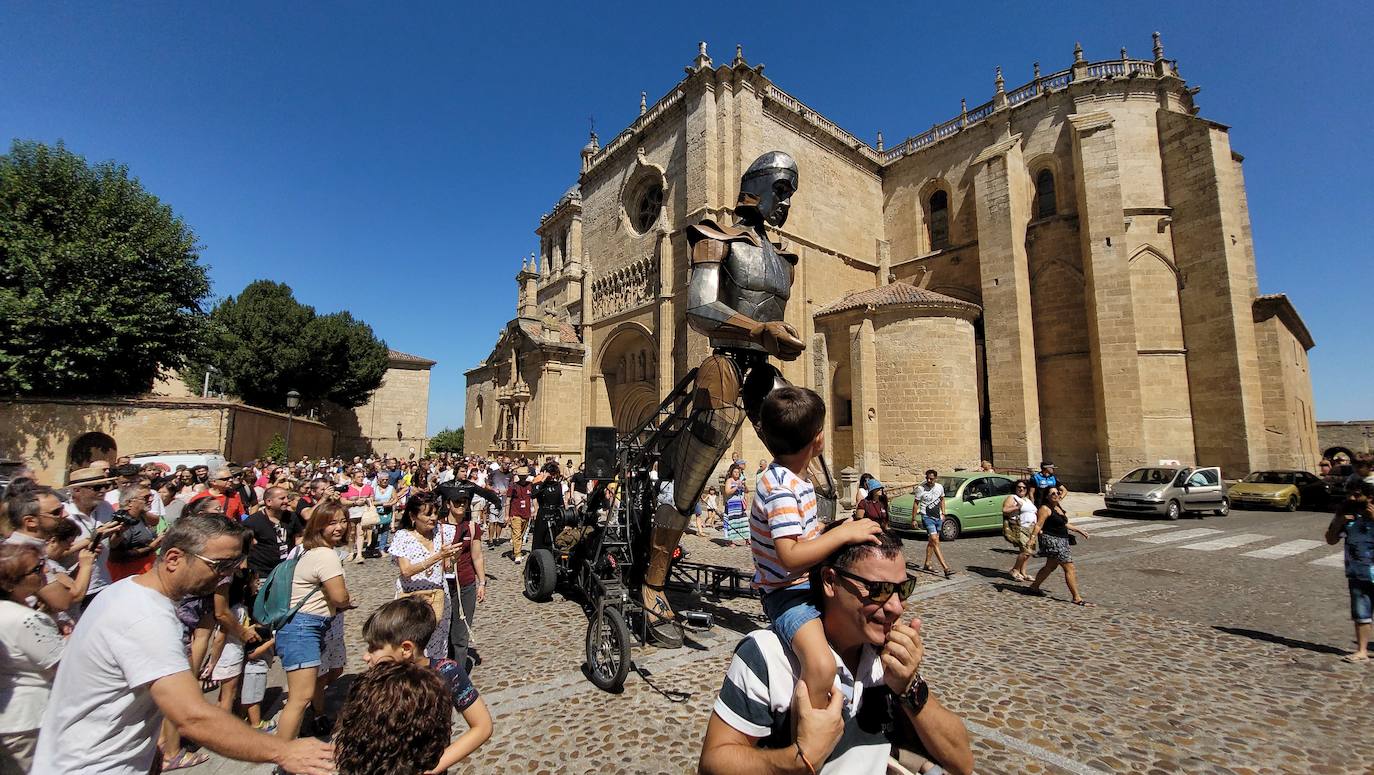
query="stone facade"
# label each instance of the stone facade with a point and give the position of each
(1093, 225)
(51, 434)
(395, 419)
(1345, 438)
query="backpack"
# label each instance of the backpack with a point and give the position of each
(272, 606)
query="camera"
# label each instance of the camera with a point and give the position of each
(124, 518)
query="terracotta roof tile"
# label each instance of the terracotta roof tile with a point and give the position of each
(896, 294)
(397, 355)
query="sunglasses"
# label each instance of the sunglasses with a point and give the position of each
(37, 569)
(222, 567)
(57, 512)
(878, 592)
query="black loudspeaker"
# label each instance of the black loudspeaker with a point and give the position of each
(600, 457)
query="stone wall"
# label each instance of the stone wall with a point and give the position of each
(1290, 427)
(1349, 436)
(371, 429)
(927, 395)
(41, 431)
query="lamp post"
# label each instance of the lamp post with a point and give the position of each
(293, 400)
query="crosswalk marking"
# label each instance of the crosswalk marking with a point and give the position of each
(1124, 531)
(1226, 542)
(1285, 549)
(1336, 560)
(1185, 535)
(1093, 520)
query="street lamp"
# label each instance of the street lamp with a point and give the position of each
(293, 401)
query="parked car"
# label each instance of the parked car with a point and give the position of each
(1281, 490)
(189, 458)
(973, 504)
(1170, 491)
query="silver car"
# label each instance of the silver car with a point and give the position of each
(1170, 491)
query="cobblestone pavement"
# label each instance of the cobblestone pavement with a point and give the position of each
(1043, 686)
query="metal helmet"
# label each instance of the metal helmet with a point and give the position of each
(766, 188)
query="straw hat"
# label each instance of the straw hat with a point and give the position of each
(85, 477)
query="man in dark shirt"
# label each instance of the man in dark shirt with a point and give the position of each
(273, 534)
(579, 485)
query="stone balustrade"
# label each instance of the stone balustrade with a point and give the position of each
(1112, 68)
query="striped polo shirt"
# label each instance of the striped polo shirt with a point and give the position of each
(756, 699)
(784, 507)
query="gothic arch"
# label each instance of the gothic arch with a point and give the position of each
(627, 361)
(1149, 251)
(1057, 264)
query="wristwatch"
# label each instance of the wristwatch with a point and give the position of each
(915, 697)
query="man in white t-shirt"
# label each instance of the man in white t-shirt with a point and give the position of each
(124, 668)
(930, 503)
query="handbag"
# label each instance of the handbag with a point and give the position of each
(435, 598)
(1010, 527)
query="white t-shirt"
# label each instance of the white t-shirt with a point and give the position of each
(101, 717)
(29, 646)
(1027, 515)
(929, 498)
(100, 573)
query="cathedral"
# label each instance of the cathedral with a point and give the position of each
(1064, 272)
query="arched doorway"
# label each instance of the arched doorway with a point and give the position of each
(90, 447)
(629, 367)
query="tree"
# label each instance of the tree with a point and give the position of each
(447, 440)
(101, 286)
(266, 343)
(276, 449)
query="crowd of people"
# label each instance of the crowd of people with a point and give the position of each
(135, 592)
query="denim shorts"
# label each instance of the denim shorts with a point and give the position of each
(931, 524)
(1361, 600)
(788, 609)
(300, 642)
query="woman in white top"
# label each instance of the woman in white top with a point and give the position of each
(1018, 524)
(318, 588)
(30, 647)
(421, 549)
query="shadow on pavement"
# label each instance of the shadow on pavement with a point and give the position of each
(1269, 637)
(991, 573)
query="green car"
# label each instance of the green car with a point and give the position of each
(973, 504)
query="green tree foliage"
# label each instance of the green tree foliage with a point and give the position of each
(447, 440)
(101, 288)
(276, 449)
(266, 343)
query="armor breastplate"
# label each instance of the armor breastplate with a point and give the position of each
(756, 282)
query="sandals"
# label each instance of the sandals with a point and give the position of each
(185, 759)
(1355, 658)
(1083, 603)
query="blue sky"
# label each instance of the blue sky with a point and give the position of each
(393, 159)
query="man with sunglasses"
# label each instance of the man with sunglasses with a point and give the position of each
(222, 489)
(763, 720)
(124, 668)
(89, 510)
(37, 517)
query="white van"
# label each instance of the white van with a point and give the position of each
(183, 457)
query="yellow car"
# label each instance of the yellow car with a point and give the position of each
(1280, 490)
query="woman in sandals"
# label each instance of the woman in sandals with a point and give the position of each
(1020, 515)
(1052, 528)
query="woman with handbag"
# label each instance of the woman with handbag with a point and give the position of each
(1052, 528)
(318, 587)
(1019, 516)
(420, 548)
